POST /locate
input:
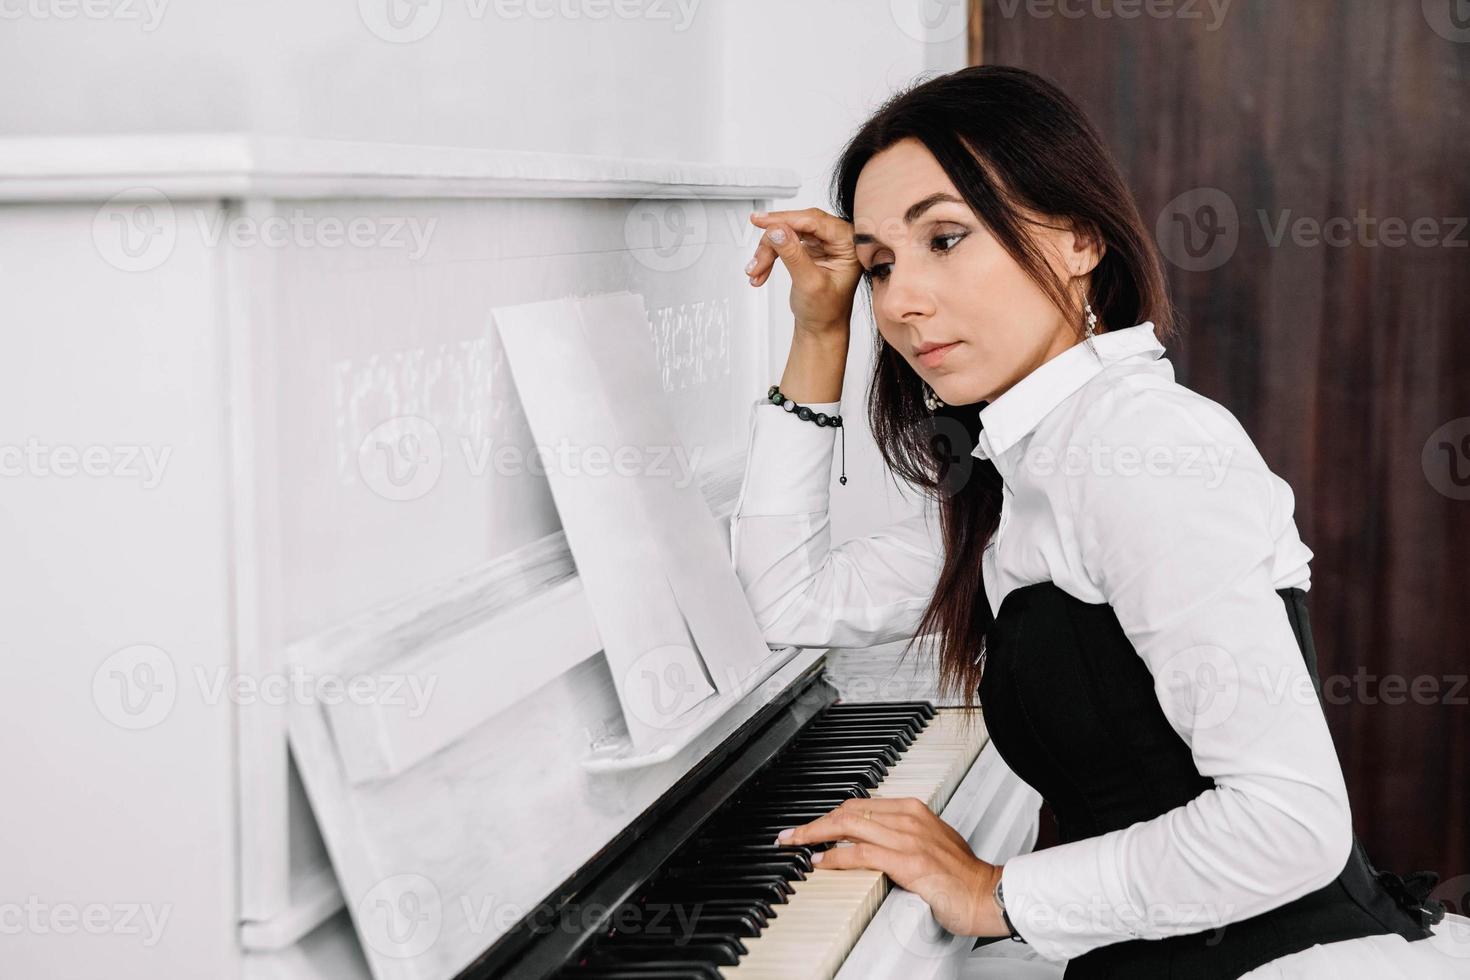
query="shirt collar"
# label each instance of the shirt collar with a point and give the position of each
(1022, 406)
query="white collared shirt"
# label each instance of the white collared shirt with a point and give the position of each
(1120, 486)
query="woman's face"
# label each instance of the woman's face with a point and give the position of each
(940, 277)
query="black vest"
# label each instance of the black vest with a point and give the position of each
(1071, 708)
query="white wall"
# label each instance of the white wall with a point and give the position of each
(769, 82)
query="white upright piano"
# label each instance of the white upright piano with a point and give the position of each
(302, 681)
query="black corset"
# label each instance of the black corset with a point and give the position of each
(1071, 708)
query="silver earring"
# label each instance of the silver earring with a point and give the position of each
(931, 400)
(1091, 332)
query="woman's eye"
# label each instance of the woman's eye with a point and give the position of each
(953, 238)
(939, 243)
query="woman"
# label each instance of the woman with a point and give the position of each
(1113, 571)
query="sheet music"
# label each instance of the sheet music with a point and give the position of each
(674, 620)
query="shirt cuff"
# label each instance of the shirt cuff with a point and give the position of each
(788, 463)
(1069, 899)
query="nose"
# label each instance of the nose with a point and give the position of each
(905, 296)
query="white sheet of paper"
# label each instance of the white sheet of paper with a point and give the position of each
(658, 674)
(697, 559)
(667, 602)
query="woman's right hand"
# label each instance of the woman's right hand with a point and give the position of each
(817, 250)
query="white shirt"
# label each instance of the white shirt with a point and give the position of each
(1120, 486)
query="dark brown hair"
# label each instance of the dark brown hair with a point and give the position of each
(1007, 139)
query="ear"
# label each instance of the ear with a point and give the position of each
(1082, 248)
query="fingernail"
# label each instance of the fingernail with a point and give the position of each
(759, 214)
(784, 835)
(750, 266)
(817, 857)
(778, 235)
(752, 280)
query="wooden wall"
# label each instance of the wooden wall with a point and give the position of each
(1343, 354)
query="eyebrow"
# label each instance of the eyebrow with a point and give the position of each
(915, 211)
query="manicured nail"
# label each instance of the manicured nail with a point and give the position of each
(778, 235)
(784, 835)
(750, 266)
(752, 280)
(817, 857)
(758, 214)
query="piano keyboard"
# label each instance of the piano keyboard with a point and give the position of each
(731, 904)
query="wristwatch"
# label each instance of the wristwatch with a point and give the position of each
(1000, 901)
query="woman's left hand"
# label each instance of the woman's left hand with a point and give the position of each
(905, 840)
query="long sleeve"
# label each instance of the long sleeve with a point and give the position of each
(804, 592)
(1183, 553)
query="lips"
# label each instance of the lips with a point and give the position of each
(930, 355)
(933, 345)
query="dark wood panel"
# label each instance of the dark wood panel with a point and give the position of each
(1342, 358)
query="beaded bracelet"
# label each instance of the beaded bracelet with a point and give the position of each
(807, 415)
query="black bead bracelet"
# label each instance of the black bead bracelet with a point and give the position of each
(807, 415)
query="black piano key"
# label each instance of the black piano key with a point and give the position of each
(743, 869)
(731, 877)
(688, 970)
(720, 952)
(694, 892)
(858, 707)
(866, 776)
(759, 908)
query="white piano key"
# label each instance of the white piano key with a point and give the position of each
(827, 912)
